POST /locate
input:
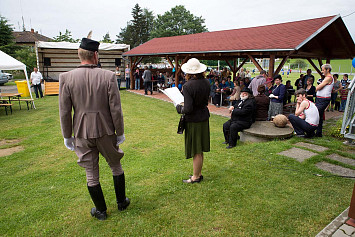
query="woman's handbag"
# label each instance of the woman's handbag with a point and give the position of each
(181, 126)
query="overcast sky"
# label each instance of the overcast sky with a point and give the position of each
(80, 16)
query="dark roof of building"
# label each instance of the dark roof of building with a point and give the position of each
(29, 37)
(323, 37)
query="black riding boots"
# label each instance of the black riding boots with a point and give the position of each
(120, 190)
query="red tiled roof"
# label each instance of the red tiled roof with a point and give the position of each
(284, 36)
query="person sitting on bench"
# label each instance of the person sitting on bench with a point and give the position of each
(306, 117)
(243, 115)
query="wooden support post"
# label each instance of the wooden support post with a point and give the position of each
(234, 71)
(314, 66)
(278, 69)
(328, 61)
(271, 65)
(257, 65)
(176, 71)
(351, 213)
(131, 68)
(241, 65)
(169, 61)
(320, 62)
(232, 68)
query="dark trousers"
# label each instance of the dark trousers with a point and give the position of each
(231, 129)
(301, 126)
(38, 88)
(148, 87)
(119, 83)
(128, 83)
(321, 104)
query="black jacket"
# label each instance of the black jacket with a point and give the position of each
(244, 111)
(196, 93)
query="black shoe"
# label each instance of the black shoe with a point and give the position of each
(123, 205)
(225, 142)
(229, 147)
(318, 135)
(201, 177)
(190, 181)
(98, 214)
(301, 135)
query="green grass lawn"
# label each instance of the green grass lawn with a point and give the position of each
(246, 191)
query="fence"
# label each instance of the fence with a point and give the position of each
(348, 126)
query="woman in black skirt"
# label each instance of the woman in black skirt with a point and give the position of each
(196, 92)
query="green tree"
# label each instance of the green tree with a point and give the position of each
(27, 55)
(298, 63)
(177, 21)
(7, 40)
(137, 30)
(67, 37)
(107, 38)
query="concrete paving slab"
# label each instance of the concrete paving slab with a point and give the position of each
(342, 159)
(312, 146)
(349, 230)
(340, 233)
(298, 154)
(334, 225)
(335, 169)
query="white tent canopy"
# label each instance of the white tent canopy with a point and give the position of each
(9, 63)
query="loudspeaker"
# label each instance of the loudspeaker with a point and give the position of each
(117, 62)
(47, 62)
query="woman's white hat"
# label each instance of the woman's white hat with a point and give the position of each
(193, 66)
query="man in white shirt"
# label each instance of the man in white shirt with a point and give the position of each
(306, 117)
(36, 79)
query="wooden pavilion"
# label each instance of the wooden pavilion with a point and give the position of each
(320, 38)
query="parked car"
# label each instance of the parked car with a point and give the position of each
(9, 75)
(3, 78)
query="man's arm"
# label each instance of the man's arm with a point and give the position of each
(301, 107)
(115, 106)
(65, 108)
(325, 82)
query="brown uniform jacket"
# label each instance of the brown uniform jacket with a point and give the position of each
(93, 94)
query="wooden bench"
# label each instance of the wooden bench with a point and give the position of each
(6, 105)
(28, 101)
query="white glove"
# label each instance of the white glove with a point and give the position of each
(120, 139)
(69, 143)
(271, 96)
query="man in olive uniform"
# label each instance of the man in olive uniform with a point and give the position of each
(97, 123)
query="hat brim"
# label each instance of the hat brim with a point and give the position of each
(198, 70)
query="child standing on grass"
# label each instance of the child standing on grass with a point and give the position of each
(343, 96)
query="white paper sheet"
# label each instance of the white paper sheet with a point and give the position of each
(174, 94)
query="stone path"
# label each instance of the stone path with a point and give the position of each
(341, 226)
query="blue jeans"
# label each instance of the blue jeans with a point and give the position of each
(119, 83)
(342, 105)
(321, 104)
(301, 126)
(128, 83)
(137, 85)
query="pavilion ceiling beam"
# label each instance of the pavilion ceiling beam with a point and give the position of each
(278, 69)
(257, 65)
(314, 66)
